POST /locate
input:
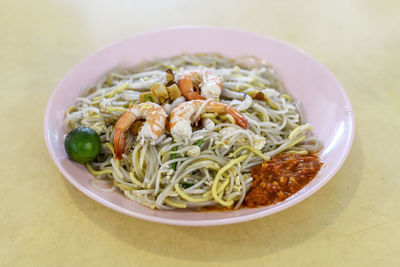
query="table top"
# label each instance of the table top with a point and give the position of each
(352, 221)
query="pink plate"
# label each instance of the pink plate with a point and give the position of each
(324, 101)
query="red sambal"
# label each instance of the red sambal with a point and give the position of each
(279, 178)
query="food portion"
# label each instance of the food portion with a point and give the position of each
(195, 131)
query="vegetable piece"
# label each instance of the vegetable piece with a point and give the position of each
(159, 90)
(186, 185)
(148, 96)
(174, 156)
(82, 144)
(169, 76)
(253, 93)
(199, 142)
(261, 96)
(174, 92)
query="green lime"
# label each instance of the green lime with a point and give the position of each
(82, 144)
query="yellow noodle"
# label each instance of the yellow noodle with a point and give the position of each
(134, 179)
(140, 170)
(112, 109)
(287, 97)
(252, 149)
(97, 116)
(189, 198)
(297, 129)
(123, 186)
(216, 121)
(111, 93)
(70, 110)
(296, 141)
(109, 80)
(297, 152)
(97, 173)
(258, 84)
(271, 103)
(218, 176)
(263, 117)
(174, 204)
(208, 115)
(116, 90)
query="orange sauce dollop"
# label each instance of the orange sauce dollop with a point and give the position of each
(279, 178)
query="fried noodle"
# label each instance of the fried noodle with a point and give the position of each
(220, 173)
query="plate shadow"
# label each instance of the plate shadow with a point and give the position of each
(238, 241)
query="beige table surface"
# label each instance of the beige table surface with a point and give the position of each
(353, 221)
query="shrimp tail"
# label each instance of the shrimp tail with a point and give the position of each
(240, 119)
(219, 107)
(186, 87)
(123, 124)
(119, 148)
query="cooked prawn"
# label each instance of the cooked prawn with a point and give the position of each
(182, 116)
(152, 129)
(209, 84)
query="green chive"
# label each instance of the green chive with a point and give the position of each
(174, 156)
(149, 97)
(198, 143)
(186, 185)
